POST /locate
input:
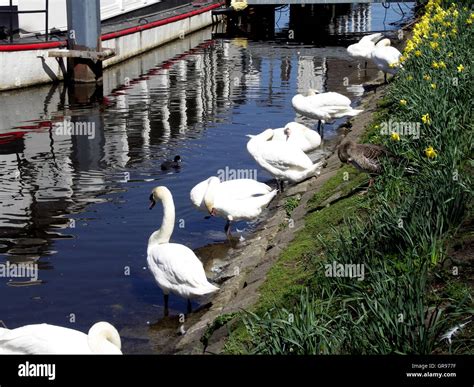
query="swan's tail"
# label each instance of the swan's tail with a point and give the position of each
(205, 289)
(263, 200)
(260, 201)
(349, 112)
(315, 170)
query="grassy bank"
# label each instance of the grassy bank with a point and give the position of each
(409, 232)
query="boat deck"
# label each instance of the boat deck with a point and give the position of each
(156, 12)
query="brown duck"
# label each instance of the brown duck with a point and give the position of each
(365, 157)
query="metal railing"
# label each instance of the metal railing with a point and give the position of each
(17, 12)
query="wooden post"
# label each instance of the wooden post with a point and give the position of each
(84, 30)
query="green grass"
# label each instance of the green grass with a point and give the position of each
(401, 231)
(290, 204)
(290, 275)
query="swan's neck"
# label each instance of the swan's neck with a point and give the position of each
(163, 235)
(104, 339)
(211, 192)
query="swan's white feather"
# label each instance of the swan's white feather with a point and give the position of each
(233, 189)
(48, 339)
(282, 160)
(324, 106)
(178, 270)
(386, 58)
(301, 136)
(242, 209)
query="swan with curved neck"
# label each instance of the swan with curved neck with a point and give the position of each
(284, 161)
(386, 58)
(175, 267)
(232, 189)
(364, 47)
(34, 339)
(299, 135)
(234, 206)
(104, 338)
(323, 106)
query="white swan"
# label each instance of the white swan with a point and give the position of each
(43, 339)
(232, 189)
(386, 57)
(298, 135)
(323, 106)
(284, 161)
(175, 267)
(364, 47)
(240, 199)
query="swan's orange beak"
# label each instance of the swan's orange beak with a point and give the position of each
(153, 202)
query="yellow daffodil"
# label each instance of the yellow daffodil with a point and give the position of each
(426, 77)
(435, 35)
(426, 119)
(435, 65)
(410, 78)
(442, 65)
(417, 53)
(450, 54)
(433, 85)
(460, 68)
(430, 152)
(434, 45)
(454, 31)
(469, 21)
(395, 136)
(403, 102)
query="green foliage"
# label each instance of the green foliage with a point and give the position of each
(415, 208)
(290, 204)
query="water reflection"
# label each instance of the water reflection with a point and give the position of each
(76, 203)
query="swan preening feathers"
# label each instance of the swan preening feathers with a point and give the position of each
(386, 57)
(45, 339)
(323, 106)
(379, 51)
(297, 134)
(175, 267)
(364, 47)
(240, 199)
(286, 162)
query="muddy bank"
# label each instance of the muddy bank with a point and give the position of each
(244, 268)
